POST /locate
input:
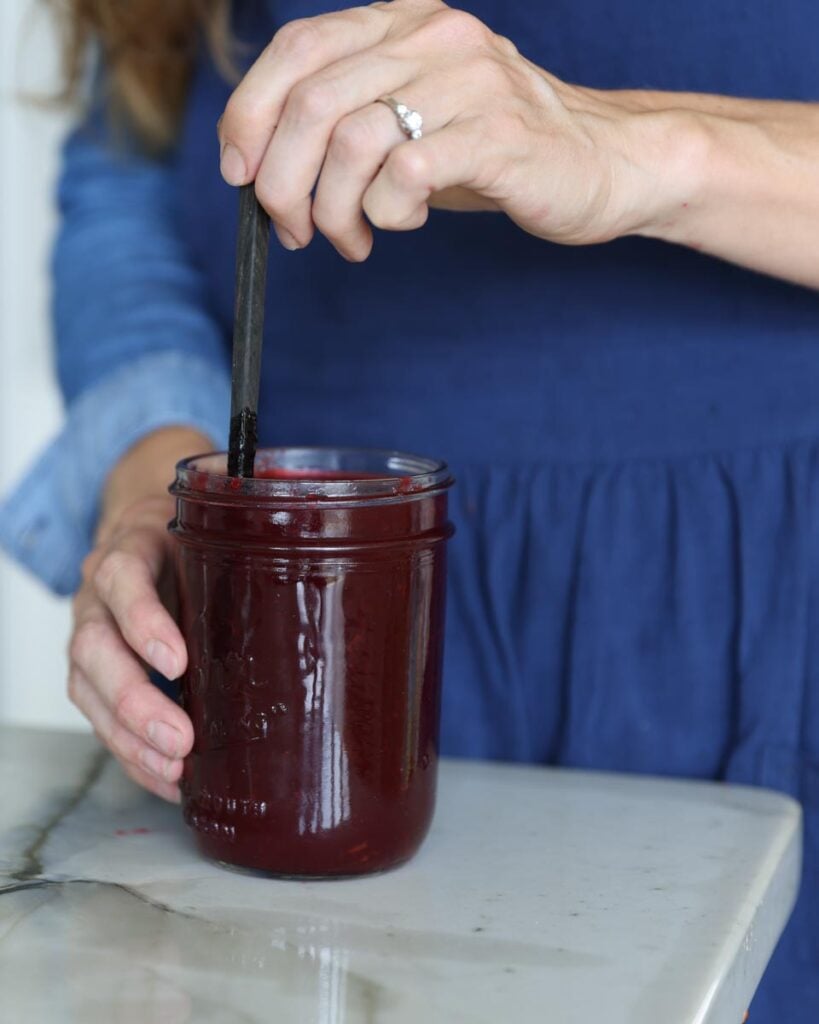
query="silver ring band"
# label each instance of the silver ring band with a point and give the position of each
(409, 121)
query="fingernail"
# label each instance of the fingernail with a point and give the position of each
(287, 240)
(165, 738)
(232, 165)
(162, 658)
(155, 763)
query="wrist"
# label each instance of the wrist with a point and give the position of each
(671, 153)
(146, 470)
(651, 156)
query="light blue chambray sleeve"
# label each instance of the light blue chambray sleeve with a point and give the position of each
(136, 349)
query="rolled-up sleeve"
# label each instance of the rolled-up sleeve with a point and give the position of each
(136, 347)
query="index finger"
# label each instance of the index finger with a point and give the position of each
(126, 582)
(299, 48)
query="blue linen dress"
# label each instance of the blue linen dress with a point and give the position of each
(634, 429)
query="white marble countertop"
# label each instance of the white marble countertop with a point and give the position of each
(540, 895)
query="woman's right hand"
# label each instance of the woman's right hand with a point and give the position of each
(123, 621)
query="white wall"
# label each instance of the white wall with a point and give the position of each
(33, 624)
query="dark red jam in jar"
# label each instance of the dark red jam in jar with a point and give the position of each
(312, 604)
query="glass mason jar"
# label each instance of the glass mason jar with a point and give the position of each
(312, 604)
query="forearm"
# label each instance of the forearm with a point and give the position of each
(738, 179)
(140, 357)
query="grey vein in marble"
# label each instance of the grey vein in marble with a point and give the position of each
(32, 867)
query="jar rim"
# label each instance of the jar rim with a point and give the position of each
(385, 474)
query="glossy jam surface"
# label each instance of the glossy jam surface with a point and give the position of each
(314, 629)
(283, 473)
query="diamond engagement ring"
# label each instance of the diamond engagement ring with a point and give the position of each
(410, 121)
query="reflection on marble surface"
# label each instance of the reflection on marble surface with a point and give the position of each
(540, 895)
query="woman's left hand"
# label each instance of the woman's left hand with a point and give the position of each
(498, 133)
